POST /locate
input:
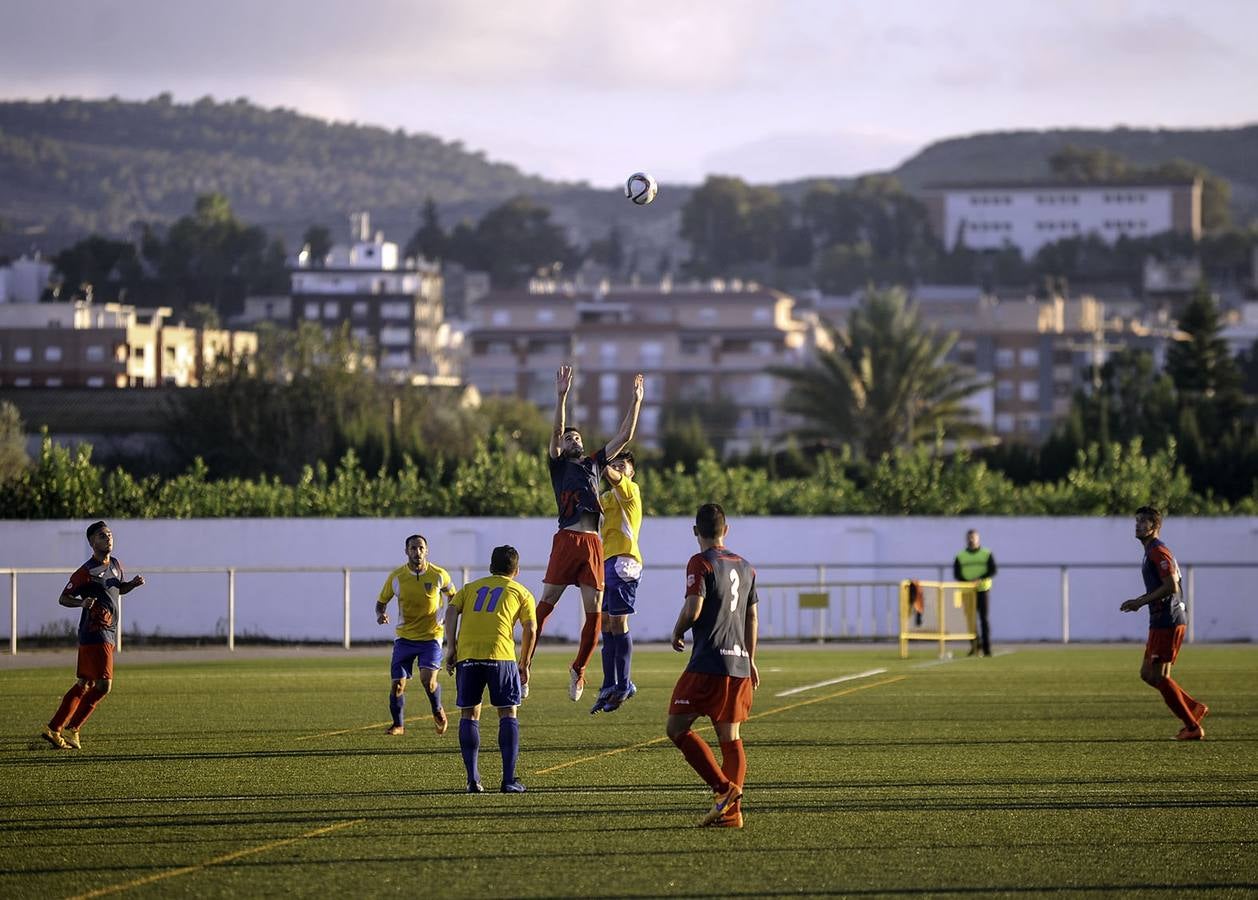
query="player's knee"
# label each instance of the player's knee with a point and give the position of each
(104, 686)
(675, 730)
(399, 687)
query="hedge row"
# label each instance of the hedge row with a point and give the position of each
(64, 483)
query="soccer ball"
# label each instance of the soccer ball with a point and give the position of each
(641, 188)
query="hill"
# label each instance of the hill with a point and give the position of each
(1228, 152)
(70, 167)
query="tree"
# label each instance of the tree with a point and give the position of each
(429, 240)
(13, 458)
(518, 238)
(731, 224)
(318, 243)
(1088, 164)
(1205, 374)
(884, 385)
(97, 264)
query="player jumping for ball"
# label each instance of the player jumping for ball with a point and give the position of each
(576, 553)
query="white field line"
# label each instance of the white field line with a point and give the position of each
(821, 684)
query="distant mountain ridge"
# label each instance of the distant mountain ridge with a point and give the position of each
(69, 167)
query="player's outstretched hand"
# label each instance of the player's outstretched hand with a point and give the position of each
(679, 642)
(136, 582)
(1131, 605)
(563, 380)
(755, 676)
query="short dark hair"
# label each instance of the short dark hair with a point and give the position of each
(571, 429)
(1152, 513)
(95, 527)
(412, 537)
(505, 561)
(710, 521)
(626, 455)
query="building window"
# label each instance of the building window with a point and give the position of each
(331, 309)
(545, 316)
(607, 352)
(52, 354)
(649, 422)
(311, 310)
(500, 317)
(21, 354)
(1004, 390)
(763, 315)
(607, 384)
(53, 382)
(95, 381)
(1004, 423)
(395, 309)
(1004, 358)
(652, 353)
(1029, 357)
(707, 314)
(359, 309)
(653, 385)
(21, 382)
(1029, 391)
(694, 346)
(137, 352)
(395, 336)
(608, 419)
(761, 417)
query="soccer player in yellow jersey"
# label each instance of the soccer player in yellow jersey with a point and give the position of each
(418, 586)
(622, 570)
(480, 653)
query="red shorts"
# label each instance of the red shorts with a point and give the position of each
(96, 661)
(722, 698)
(1163, 643)
(576, 557)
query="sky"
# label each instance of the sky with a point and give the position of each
(588, 90)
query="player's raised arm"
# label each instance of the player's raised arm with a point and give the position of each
(563, 384)
(630, 424)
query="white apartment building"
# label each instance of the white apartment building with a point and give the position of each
(1028, 215)
(393, 305)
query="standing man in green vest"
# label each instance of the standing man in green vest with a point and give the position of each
(977, 564)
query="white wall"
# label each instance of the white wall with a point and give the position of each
(1025, 601)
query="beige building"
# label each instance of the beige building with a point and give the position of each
(81, 344)
(1035, 353)
(704, 349)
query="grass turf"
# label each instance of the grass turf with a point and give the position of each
(1047, 770)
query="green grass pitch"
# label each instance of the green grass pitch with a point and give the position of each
(1046, 770)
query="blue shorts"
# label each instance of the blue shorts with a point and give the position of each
(407, 652)
(621, 575)
(501, 676)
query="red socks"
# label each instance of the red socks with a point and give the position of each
(86, 706)
(699, 755)
(734, 766)
(69, 704)
(1177, 701)
(589, 639)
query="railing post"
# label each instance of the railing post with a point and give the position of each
(1065, 604)
(231, 609)
(13, 613)
(345, 602)
(1192, 602)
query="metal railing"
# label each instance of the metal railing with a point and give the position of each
(867, 609)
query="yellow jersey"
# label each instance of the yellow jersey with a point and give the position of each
(418, 600)
(622, 519)
(488, 609)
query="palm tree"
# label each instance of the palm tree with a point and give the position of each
(884, 384)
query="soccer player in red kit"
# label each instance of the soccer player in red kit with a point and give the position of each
(94, 587)
(1167, 623)
(576, 553)
(720, 613)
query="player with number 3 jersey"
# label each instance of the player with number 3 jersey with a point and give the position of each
(720, 613)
